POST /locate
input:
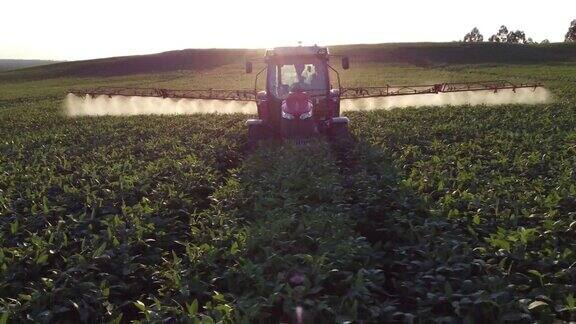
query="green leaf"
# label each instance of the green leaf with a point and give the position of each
(99, 250)
(571, 301)
(537, 306)
(25, 297)
(218, 297)
(207, 320)
(535, 273)
(14, 227)
(4, 318)
(193, 308)
(476, 219)
(117, 320)
(141, 306)
(234, 248)
(42, 259)
(224, 308)
(45, 206)
(175, 258)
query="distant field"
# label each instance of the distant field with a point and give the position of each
(8, 65)
(431, 214)
(419, 54)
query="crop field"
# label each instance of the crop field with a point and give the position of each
(431, 214)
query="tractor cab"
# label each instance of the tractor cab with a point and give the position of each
(299, 101)
(297, 74)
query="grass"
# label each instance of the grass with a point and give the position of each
(430, 214)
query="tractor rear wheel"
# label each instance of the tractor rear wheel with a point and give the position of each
(257, 132)
(338, 131)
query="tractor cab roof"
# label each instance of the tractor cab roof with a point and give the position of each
(297, 51)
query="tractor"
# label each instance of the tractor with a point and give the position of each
(299, 101)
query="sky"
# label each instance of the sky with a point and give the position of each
(82, 29)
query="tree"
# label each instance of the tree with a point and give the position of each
(545, 42)
(516, 37)
(474, 36)
(501, 36)
(513, 37)
(571, 34)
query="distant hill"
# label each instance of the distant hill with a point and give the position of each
(398, 53)
(189, 59)
(459, 53)
(7, 65)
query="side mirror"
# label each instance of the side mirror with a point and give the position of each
(345, 63)
(248, 67)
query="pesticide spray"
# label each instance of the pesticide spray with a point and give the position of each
(502, 97)
(131, 106)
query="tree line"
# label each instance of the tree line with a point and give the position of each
(515, 37)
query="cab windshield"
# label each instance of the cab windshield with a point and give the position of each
(298, 75)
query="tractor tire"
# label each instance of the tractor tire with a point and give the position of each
(339, 133)
(257, 132)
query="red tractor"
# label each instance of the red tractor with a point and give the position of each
(299, 101)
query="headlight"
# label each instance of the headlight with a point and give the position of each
(286, 115)
(306, 115)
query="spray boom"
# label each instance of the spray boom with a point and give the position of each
(213, 94)
(389, 91)
(345, 93)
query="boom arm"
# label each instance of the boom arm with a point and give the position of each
(389, 91)
(345, 93)
(213, 94)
